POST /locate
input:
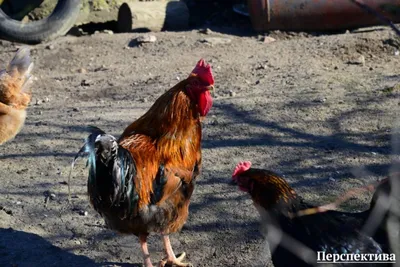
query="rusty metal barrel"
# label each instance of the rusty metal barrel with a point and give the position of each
(306, 15)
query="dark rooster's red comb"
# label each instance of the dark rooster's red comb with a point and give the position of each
(241, 167)
(204, 72)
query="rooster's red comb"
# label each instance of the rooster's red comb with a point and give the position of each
(241, 167)
(204, 72)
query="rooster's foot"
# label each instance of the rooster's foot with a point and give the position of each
(175, 261)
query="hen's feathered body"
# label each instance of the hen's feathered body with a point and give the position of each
(301, 237)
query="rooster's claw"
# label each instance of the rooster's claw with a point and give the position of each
(175, 262)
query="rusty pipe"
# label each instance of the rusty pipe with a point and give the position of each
(303, 15)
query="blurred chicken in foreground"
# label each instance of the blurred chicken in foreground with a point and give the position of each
(14, 94)
(295, 240)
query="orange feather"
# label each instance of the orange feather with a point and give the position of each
(174, 142)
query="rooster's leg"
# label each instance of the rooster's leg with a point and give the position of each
(171, 259)
(145, 251)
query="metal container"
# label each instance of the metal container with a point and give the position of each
(303, 15)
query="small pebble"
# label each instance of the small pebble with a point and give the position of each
(361, 60)
(101, 68)
(52, 196)
(268, 40)
(232, 93)
(206, 31)
(397, 52)
(50, 47)
(146, 39)
(83, 213)
(82, 70)
(332, 179)
(358, 61)
(320, 100)
(214, 253)
(108, 32)
(216, 40)
(86, 82)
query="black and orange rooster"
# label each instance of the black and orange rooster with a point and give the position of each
(142, 182)
(14, 94)
(295, 240)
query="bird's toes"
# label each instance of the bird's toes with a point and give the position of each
(181, 256)
(175, 262)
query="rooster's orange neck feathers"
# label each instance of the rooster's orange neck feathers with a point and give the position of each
(172, 113)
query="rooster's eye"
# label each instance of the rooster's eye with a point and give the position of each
(195, 83)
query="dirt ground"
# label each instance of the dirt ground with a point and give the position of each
(317, 109)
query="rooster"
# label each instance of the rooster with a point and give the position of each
(143, 181)
(14, 94)
(295, 240)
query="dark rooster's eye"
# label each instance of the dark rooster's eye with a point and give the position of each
(194, 83)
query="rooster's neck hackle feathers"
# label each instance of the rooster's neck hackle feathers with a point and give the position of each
(169, 133)
(171, 111)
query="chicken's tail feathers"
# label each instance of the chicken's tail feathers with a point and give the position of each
(21, 67)
(21, 62)
(112, 170)
(88, 149)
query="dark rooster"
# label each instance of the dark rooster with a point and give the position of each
(142, 182)
(295, 240)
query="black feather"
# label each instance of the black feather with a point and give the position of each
(158, 185)
(112, 170)
(329, 232)
(83, 151)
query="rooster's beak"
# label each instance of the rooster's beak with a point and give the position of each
(211, 88)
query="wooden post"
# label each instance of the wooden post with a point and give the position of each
(152, 16)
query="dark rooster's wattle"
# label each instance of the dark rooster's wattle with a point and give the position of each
(143, 181)
(295, 240)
